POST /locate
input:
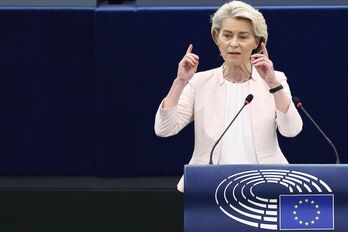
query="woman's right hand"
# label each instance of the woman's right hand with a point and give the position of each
(188, 65)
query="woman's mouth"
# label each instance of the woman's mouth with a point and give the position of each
(234, 53)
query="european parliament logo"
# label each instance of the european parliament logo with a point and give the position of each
(277, 199)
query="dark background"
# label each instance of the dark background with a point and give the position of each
(80, 87)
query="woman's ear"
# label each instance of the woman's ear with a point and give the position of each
(258, 48)
(214, 35)
(258, 42)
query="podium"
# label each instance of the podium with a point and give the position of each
(254, 198)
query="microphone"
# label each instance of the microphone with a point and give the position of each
(247, 100)
(298, 104)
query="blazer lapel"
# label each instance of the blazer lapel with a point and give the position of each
(219, 112)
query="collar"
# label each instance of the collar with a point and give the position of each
(254, 75)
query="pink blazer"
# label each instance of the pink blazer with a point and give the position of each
(203, 100)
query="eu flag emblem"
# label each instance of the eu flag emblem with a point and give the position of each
(306, 212)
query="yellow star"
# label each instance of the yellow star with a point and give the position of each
(300, 202)
(296, 218)
(294, 212)
(316, 218)
(306, 200)
(312, 222)
(317, 206)
(312, 202)
(296, 206)
(306, 223)
(318, 212)
(300, 222)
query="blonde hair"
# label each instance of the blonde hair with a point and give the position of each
(240, 10)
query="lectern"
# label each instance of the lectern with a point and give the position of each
(255, 198)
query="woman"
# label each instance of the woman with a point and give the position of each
(212, 98)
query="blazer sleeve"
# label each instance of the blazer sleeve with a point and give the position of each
(289, 123)
(170, 121)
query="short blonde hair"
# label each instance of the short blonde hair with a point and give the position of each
(240, 10)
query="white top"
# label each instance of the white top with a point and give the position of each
(238, 143)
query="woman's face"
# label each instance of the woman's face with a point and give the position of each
(236, 41)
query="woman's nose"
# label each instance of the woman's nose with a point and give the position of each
(234, 43)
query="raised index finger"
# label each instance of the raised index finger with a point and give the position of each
(189, 49)
(264, 49)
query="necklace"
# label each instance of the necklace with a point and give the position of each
(229, 79)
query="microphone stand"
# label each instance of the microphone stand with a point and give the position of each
(298, 104)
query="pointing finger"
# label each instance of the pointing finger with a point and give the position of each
(264, 49)
(189, 49)
(194, 56)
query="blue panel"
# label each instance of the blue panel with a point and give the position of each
(133, 74)
(47, 92)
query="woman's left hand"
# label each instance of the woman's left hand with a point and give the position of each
(264, 67)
